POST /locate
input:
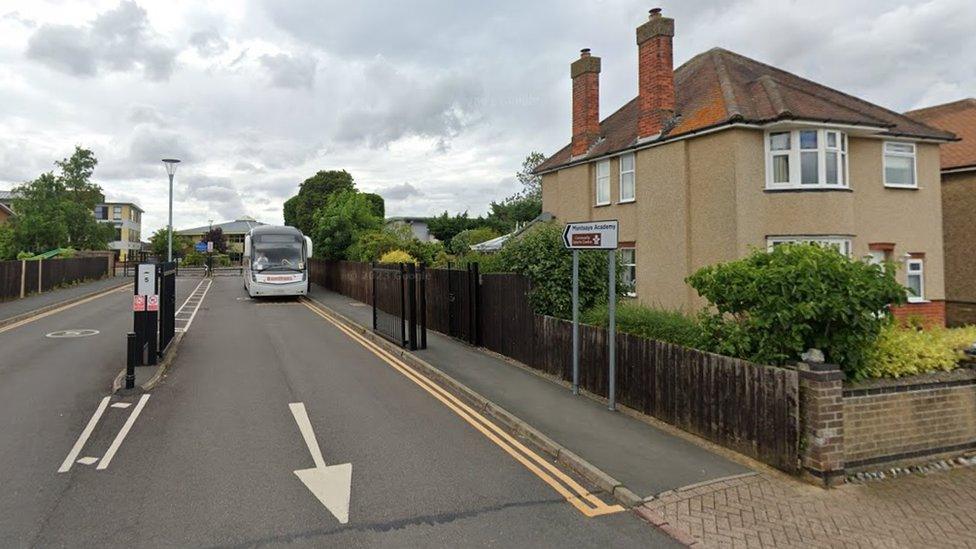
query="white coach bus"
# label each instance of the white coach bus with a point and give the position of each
(276, 261)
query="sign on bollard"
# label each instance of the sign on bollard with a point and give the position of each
(152, 303)
(138, 303)
(595, 235)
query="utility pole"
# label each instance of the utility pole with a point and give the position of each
(171, 171)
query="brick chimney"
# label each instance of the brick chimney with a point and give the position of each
(655, 74)
(585, 72)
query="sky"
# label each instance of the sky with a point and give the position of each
(432, 104)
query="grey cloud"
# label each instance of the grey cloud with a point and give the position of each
(400, 192)
(16, 16)
(117, 40)
(394, 104)
(150, 144)
(208, 43)
(287, 71)
(140, 114)
(218, 193)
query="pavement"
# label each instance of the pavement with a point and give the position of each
(17, 307)
(645, 459)
(209, 457)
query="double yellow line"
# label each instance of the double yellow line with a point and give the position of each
(578, 496)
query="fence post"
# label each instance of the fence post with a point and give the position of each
(475, 277)
(40, 269)
(423, 305)
(372, 278)
(412, 304)
(23, 278)
(822, 423)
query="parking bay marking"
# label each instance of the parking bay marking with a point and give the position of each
(583, 500)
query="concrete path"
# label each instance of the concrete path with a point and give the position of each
(645, 459)
(10, 309)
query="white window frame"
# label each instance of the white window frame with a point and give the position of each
(884, 167)
(602, 181)
(632, 291)
(842, 242)
(920, 298)
(842, 149)
(632, 172)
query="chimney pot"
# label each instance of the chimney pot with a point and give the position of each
(585, 52)
(655, 12)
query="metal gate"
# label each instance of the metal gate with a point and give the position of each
(463, 288)
(400, 304)
(166, 280)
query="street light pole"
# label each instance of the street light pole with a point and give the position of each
(171, 171)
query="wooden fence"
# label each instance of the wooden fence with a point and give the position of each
(47, 274)
(750, 408)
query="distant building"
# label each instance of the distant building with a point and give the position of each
(126, 217)
(418, 225)
(234, 232)
(7, 199)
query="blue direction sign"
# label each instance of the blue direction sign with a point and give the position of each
(201, 247)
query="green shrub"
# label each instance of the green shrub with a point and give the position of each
(900, 351)
(371, 245)
(540, 255)
(660, 324)
(193, 259)
(772, 306)
(461, 243)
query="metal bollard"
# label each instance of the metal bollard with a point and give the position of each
(132, 356)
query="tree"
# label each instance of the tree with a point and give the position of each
(338, 225)
(513, 211)
(8, 248)
(444, 227)
(461, 243)
(159, 242)
(313, 193)
(378, 204)
(216, 235)
(372, 245)
(531, 183)
(55, 211)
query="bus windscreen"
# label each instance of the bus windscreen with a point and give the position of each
(278, 252)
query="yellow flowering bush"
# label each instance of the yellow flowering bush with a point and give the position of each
(397, 256)
(900, 351)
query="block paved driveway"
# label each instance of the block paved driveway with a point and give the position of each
(768, 510)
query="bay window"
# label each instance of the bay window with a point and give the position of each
(627, 188)
(806, 159)
(899, 165)
(603, 183)
(839, 243)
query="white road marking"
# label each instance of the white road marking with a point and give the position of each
(196, 307)
(331, 485)
(121, 405)
(83, 437)
(191, 295)
(107, 458)
(87, 460)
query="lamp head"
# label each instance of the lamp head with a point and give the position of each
(170, 165)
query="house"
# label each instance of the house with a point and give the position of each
(126, 218)
(6, 206)
(234, 233)
(958, 163)
(727, 154)
(418, 226)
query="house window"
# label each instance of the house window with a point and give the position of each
(117, 212)
(627, 189)
(839, 243)
(101, 212)
(118, 234)
(916, 280)
(805, 159)
(628, 259)
(899, 165)
(603, 183)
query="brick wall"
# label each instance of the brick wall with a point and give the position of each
(959, 313)
(930, 312)
(899, 421)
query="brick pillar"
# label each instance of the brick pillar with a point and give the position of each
(822, 423)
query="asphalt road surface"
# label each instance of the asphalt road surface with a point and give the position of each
(208, 459)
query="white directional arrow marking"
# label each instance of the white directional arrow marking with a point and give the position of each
(332, 485)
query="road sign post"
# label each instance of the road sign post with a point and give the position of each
(595, 235)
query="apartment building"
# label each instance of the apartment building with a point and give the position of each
(727, 154)
(126, 218)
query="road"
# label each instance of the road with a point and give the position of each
(209, 458)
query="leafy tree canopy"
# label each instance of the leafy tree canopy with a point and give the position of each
(55, 210)
(216, 235)
(313, 193)
(339, 224)
(159, 241)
